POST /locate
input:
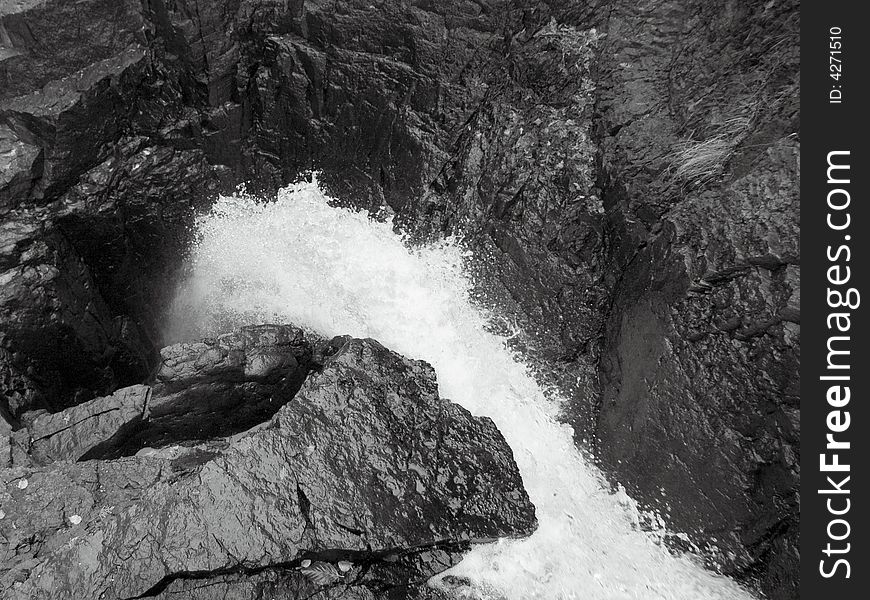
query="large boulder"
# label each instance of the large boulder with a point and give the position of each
(201, 390)
(366, 464)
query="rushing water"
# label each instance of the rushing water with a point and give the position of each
(336, 272)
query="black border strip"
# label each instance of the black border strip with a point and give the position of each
(834, 107)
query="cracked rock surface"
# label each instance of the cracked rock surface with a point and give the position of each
(365, 464)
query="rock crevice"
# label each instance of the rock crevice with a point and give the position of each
(230, 510)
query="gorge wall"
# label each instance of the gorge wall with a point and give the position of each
(627, 169)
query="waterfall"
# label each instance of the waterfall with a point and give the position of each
(336, 271)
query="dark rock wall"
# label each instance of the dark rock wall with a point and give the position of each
(627, 172)
(699, 124)
(102, 170)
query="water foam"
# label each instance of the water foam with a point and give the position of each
(338, 272)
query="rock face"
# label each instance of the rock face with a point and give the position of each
(366, 464)
(628, 170)
(95, 199)
(202, 390)
(700, 360)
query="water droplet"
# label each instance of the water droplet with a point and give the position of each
(22, 483)
(75, 519)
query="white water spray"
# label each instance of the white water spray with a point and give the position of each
(334, 271)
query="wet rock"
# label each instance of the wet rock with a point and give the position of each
(627, 172)
(44, 41)
(629, 175)
(71, 120)
(86, 276)
(630, 205)
(58, 336)
(377, 580)
(365, 465)
(202, 390)
(288, 584)
(699, 403)
(101, 194)
(69, 434)
(19, 167)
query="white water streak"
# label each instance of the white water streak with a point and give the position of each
(336, 272)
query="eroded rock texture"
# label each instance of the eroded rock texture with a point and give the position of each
(627, 169)
(699, 366)
(366, 464)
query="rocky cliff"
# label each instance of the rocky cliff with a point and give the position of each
(627, 172)
(250, 458)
